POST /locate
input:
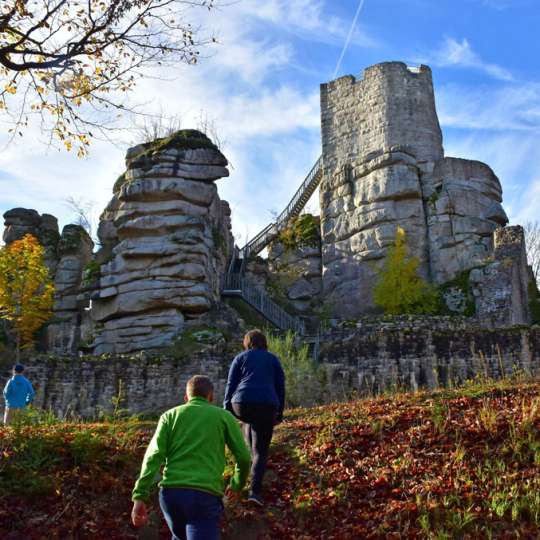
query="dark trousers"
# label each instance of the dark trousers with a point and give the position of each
(191, 514)
(258, 425)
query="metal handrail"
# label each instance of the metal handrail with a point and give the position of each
(264, 237)
(236, 284)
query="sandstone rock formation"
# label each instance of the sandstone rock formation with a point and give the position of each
(384, 165)
(74, 253)
(463, 209)
(66, 256)
(296, 272)
(166, 240)
(21, 221)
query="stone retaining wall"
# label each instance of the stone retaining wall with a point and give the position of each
(406, 353)
(373, 358)
(89, 386)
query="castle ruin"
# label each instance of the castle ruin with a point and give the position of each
(167, 254)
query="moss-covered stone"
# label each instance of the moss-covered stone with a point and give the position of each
(120, 181)
(71, 239)
(91, 272)
(185, 139)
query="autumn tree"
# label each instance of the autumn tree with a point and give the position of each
(400, 289)
(26, 290)
(69, 61)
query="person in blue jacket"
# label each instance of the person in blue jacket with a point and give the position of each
(18, 393)
(255, 394)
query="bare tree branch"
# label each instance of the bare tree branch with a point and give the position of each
(71, 57)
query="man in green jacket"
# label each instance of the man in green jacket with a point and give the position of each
(190, 440)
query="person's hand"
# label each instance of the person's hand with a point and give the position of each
(230, 493)
(139, 514)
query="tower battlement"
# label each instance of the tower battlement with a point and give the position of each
(391, 104)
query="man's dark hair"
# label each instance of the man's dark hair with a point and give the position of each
(255, 339)
(18, 368)
(199, 386)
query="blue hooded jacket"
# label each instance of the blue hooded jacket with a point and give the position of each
(256, 376)
(18, 392)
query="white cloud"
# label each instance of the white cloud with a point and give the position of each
(508, 107)
(307, 19)
(505, 4)
(453, 53)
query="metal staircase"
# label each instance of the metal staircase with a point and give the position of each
(235, 284)
(293, 209)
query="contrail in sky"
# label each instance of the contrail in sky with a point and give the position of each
(348, 40)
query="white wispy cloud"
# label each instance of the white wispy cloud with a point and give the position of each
(308, 19)
(502, 108)
(454, 53)
(505, 4)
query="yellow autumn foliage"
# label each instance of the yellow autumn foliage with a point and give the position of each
(26, 289)
(400, 289)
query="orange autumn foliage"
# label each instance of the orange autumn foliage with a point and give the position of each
(26, 289)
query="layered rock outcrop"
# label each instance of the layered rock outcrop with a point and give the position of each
(21, 221)
(463, 208)
(66, 256)
(166, 240)
(295, 266)
(74, 254)
(384, 166)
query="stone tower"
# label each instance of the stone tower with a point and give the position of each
(384, 166)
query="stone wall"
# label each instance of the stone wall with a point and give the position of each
(410, 353)
(88, 386)
(375, 355)
(384, 167)
(501, 287)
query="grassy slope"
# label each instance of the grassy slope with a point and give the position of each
(450, 464)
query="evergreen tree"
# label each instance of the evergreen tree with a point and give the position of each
(400, 289)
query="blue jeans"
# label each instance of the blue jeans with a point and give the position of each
(191, 514)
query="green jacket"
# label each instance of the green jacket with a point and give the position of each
(190, 440)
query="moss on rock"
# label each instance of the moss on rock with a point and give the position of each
(460, 284)
(185, 139)
(534, 302)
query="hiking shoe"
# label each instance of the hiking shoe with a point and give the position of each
(255, 499)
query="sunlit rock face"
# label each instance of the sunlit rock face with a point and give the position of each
(384, 166)
(166, 237)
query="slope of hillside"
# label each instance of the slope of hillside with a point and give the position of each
(459, 463)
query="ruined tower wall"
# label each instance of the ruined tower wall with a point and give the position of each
(379, 134)
(384, 167)
(392, 105)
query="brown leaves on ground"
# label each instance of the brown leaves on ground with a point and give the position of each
(450, 464)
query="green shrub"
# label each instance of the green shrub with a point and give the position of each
(462, 284)
(301, 231)
(305, 380)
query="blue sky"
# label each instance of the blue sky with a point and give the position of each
(260, 86)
